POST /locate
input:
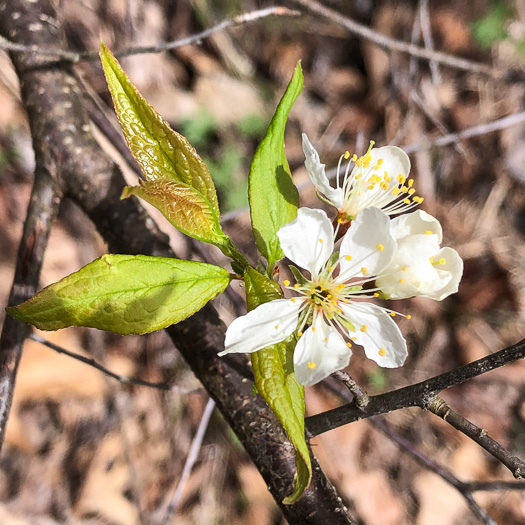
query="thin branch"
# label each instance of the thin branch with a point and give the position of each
(360, 397)
(71, 56)
(482, 129)
(190, 461)
(427, 462)
(424, 17)
(418, 395)
(121, 379)
(391, 44)
(441, 409)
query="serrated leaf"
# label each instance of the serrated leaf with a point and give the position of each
(275, 381)
(162, 154)
(182, 206)
(273, 197)
(126, 294)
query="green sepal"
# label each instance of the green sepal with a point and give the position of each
(275, 381)
(272, 194)
(126, 294)
(299, 277)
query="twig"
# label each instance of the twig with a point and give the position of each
(359, 395)
(418, 395)
(122, 379)
(464, 488)
(424, 18)
(391, 44)
(427, 462)
(71, 56)
(441, 409)
(190, 461)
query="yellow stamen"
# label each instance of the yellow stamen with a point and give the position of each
(313, 328)
(320, 240)
(396, 191)
(354, 157)
(429, 232)
(374, 178)
(406, 201)
(349, 344)
(401, 179)
(311, 365)
(400, 280)
(409, 316)
(286, 282)
(382, 352)
(404, 268)
(376, 294)
(380, 247)
(410, 183)
(442, 261)
(296, 286)
(276, 327)
(392, 314)
(364, 328)
(347, 155)
(300, 334)
(348, 257)
(364, 270)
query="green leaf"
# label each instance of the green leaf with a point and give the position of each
(126, 294)
(162, 154)
(273, 197)
(186, 210)
(275, 381)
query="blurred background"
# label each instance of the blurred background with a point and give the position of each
(82, 448)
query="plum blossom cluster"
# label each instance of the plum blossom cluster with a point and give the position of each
(332, 307)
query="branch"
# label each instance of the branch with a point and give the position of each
(92, 180)
(190, 461)
(71, 56)
(418, 395)
(391, 44)
(94, 364)
(480, 436)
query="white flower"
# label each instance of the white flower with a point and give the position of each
(328, 315)
(420, 267)
(378, 179)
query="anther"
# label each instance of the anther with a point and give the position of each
(380, 247)
(364, 270)
(382, 352)
(286, 282)
(364, 328)
(311, 365)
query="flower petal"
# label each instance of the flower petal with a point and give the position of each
(308, 241)
(414, 223)
(411, 272)
(319, 352)
(377, 333)
(316, 170)
(369, 244)
(394, 160)
(454, 268)
(268, 324)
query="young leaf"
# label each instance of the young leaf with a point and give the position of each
(162, 154)
(185, 209)
(273, 197)
(275, 381)
(126, 294)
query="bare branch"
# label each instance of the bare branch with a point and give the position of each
(71, 56)
(190, 461)
(418, 395)
(391, 44)
(441, 409)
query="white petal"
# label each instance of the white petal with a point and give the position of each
(318, 353)
(414, 223)
(411, 272)
(268, 324)
(377, 333)
(395, 160)
(316, 170)
(453, 267)
(369, 243)
(308, 241)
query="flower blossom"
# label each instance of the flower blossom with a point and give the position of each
(420, 267)
(328, 315)
(379, 179)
